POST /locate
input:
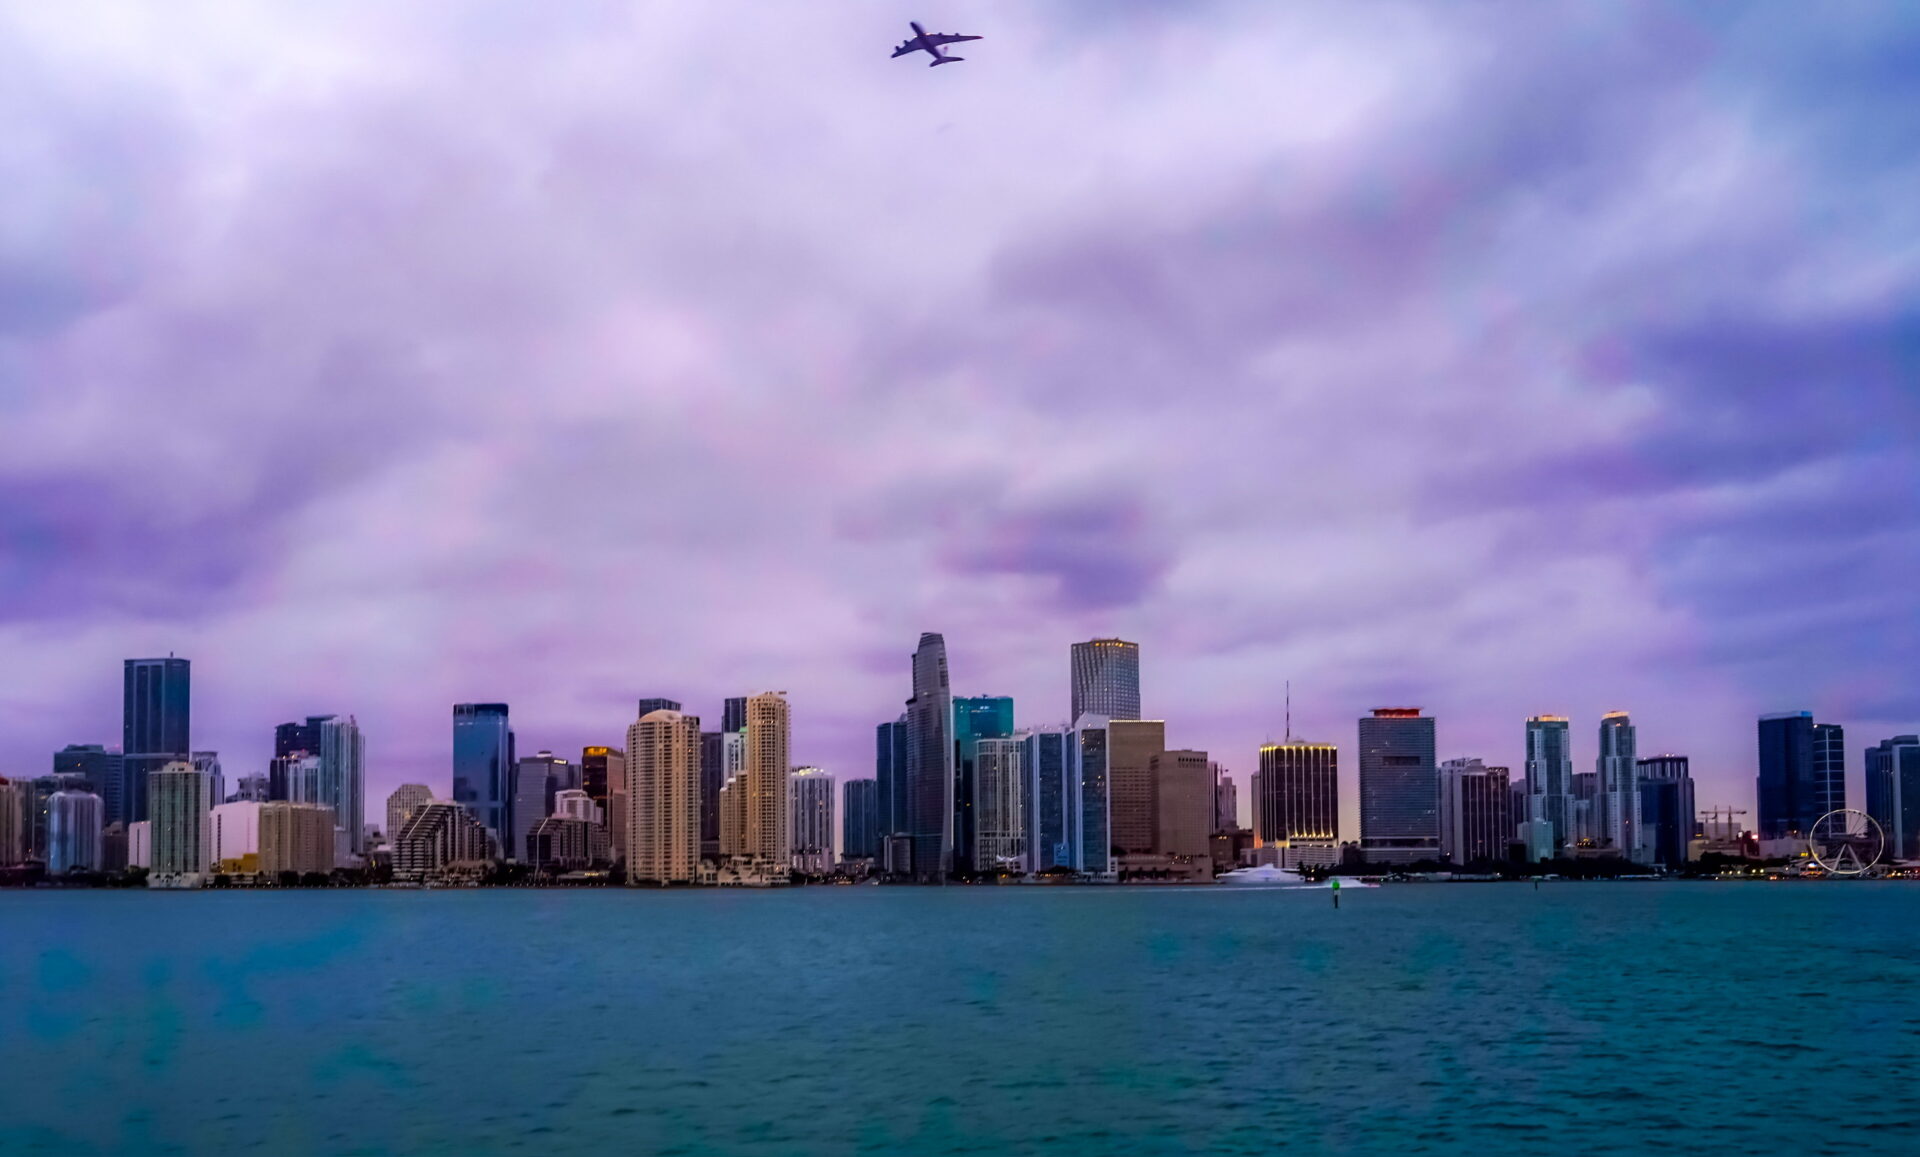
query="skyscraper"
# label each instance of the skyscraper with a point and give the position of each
(1296, 796)
(1667, 811)
(439, 836)
(764, 833)
(1091, 749)
(649, 706)
(713, 776)
(1226, 801)
(1132, 744)
(999, 811)
(73, 832)
(663, 798)
(1893, 793)
(1619, 796)
(482, 767)
(810, 820)
(405, 800)
(1052, 799)
(1802, 773)
(974, 719)
(1105, 678)
(930, 759)
(1550, 780)
(182, 834)
(536, 780)
(1183, 810)
(157, 704)
(1399, 787)
(343, 777)
(603, 776)
(1476, 811)
(890, 777)
(860, 820)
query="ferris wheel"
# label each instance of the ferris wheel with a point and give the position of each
(1846, 842)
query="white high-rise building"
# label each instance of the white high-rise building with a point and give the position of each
(810, 820)
(182, 828)
(1618, 796)
(663, 798)
(1000, 814)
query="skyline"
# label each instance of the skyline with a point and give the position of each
(1516, 364)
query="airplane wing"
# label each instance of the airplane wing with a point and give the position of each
(909, 46)
(946, 38)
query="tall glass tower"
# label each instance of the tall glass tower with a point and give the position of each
(930, 770)
(157, 700)
(974, 719)
(1550, 779)
(1618, 765)
(1802, 773)
(482, 767)
(1106, 678)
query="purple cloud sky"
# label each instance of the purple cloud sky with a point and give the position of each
(1499, 360)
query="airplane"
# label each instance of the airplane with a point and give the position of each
(930, 43)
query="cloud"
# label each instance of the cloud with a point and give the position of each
(381, 358)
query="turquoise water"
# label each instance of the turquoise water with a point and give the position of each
(1588, 1019)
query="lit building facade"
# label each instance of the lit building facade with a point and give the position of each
(1000, 814)
(764, 836)
(974, 719)
(1296, 796)
(74, 822)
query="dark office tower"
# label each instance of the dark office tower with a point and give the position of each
(890, 776)
(713, 777)
(1666, 809)
(1092, 747)
(1399, 787)
(974, 719)
(1893, 793)
(649, 706)
(1802, 773)
(102, 771)
(860, 820)
(1476, 811)
(298, 738)
(733, 715)
(1296, 797)
(483, 768)
(1549, 783)
(1046, 767)
(158, 698)
(1106, 678)
(930, 762)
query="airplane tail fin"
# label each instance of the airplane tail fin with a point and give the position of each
(946, 60)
